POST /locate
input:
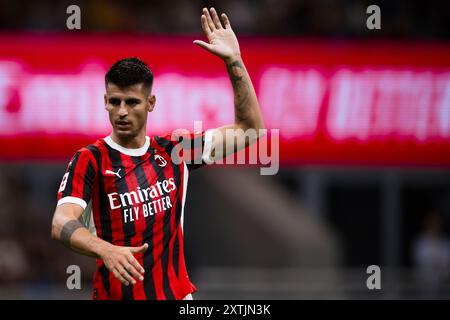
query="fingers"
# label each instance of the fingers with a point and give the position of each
(124, 273)
(136, 268)
(134, 272)
(205, 26)
(119, 277)
(212, 21)
(215, 18)
(208, 19)
(203, 44)
(226, 21)
(140, 249)
(124, 265)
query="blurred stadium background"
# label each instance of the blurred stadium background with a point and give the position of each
(364, 119)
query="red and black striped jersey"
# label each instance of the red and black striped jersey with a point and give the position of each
(138, 196)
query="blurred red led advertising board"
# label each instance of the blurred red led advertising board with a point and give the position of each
(334, 102)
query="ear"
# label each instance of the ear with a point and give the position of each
(151, 101)
(105, 99)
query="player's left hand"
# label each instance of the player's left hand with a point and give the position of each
(221, 39)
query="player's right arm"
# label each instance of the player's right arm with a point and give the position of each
(68, 228)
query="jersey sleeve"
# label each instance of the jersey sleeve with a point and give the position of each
(193, 148)
(78, 180)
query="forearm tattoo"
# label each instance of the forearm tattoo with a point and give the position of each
(68, 229)
(241, 90)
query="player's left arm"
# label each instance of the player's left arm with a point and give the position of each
(223, 43)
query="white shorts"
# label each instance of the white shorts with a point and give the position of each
(188, 297)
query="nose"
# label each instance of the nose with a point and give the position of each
(123, 109)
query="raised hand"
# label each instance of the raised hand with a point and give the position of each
(222, 41)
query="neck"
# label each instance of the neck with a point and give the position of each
(131, 142)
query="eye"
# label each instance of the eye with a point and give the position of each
(132, 102)
(114, 101)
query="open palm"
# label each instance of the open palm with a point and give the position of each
(221, 39)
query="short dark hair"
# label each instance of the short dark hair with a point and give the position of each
(129, 71)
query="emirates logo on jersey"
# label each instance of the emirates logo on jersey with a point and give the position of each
(141, 203)
(160, 161)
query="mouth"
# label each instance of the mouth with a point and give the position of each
(123, 124)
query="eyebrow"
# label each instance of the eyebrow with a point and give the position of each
(127, 100)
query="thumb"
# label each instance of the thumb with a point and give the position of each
(203, 44)
(140, 249)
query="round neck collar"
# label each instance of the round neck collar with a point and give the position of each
(130, 152)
